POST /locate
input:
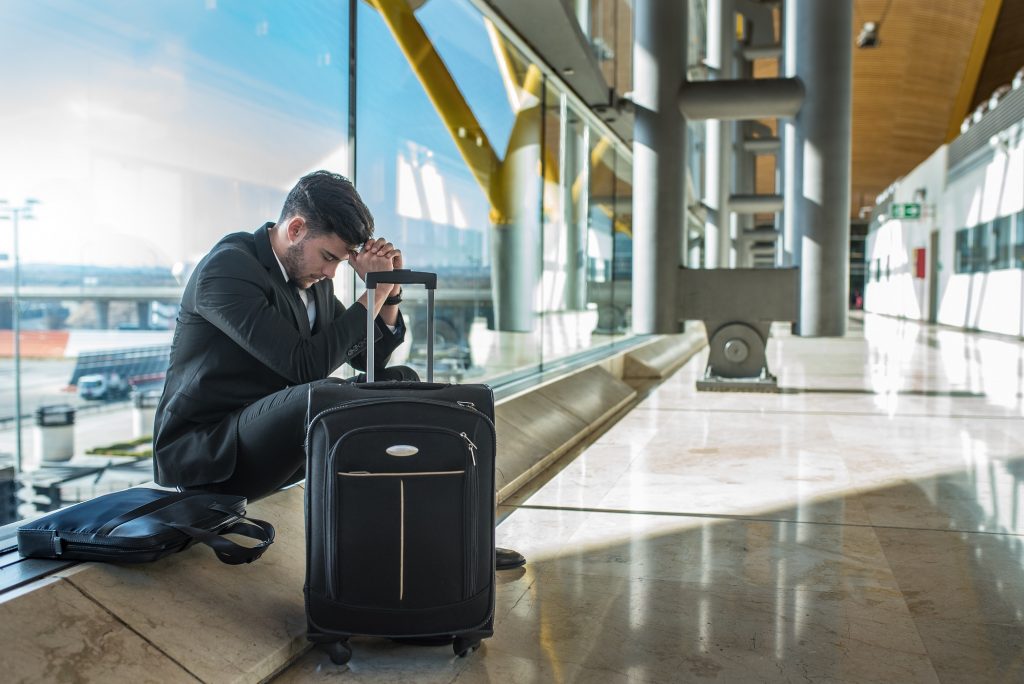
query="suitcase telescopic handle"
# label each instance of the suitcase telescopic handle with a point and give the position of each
(402, 276)
(399, 276)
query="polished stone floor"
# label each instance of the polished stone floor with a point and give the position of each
(864, 525)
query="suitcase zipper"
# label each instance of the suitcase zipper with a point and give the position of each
(367, 473)
(469, 445)
(401, 540)
(463, 405)
(471, 522)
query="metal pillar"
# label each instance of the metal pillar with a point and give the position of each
(712, 197)
(575, 189)
(659, 170)
(819, 51)
(718, 238)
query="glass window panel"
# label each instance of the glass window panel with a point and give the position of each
(600, 248)
(1002, 241)
(962, 257)
(1018, 248)
(609, 26)
(698, 37)
(474, 53)
(622, 260)
(147, 130)
(979, 249)
(567, 321)
(696, 145)
(459, 198)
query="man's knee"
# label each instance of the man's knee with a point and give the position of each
(401, 373)
(396, 373)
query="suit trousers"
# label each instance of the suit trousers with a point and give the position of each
(271, 438)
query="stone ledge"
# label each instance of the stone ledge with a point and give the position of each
(663, 356)
(189, 617)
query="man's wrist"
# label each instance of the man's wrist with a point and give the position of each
(394, 299)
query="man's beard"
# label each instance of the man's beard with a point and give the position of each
(292, 262)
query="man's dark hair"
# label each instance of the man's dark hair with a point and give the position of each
(330, 204)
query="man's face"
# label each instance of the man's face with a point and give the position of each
(314, 257)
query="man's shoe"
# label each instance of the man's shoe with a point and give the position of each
(507, 559)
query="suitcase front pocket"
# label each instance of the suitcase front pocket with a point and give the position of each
(400, 539)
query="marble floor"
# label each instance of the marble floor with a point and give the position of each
(864, 525)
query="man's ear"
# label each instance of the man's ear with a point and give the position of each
(296, 229)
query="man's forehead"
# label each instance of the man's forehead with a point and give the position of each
(334, 244)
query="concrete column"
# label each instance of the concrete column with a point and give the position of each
(143, 310)
(515, 240)
(575, 182)
(743, 169)
(819, 51)
(721, 44)
(103, 314)
(659, 168)
(713, 131)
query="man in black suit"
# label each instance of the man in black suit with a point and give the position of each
(258, 323)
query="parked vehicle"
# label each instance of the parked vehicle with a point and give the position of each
(103, 387)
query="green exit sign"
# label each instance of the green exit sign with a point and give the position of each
(906, 211)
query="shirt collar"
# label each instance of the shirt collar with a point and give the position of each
(281, 266)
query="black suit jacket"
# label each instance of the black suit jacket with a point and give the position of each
(241, 335)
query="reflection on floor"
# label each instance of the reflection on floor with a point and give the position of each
(871, 534)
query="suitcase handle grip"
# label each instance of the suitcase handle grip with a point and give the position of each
(402, 276)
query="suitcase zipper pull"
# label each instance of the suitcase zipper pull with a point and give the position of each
(469, 443)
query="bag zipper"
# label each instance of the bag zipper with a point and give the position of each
(60, 546)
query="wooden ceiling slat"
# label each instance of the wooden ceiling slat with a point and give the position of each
(904, 89)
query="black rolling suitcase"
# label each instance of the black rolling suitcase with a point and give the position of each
(400, 506)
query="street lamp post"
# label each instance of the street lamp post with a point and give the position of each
(14, 214)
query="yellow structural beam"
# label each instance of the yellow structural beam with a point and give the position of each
(521, 96)
(458, 117)
(596, 155)
(444, 94)
(972, 70)
(596, 158)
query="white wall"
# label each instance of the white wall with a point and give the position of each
(896, 239)
(992, 301)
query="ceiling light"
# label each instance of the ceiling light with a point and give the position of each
(868, 37)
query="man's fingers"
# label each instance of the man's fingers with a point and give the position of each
(378, 246)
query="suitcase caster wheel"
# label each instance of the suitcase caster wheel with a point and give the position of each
(463, 647)
(340, 652)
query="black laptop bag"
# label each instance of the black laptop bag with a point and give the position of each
(139, 525)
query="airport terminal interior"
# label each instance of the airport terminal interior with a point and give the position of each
(746, 278)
